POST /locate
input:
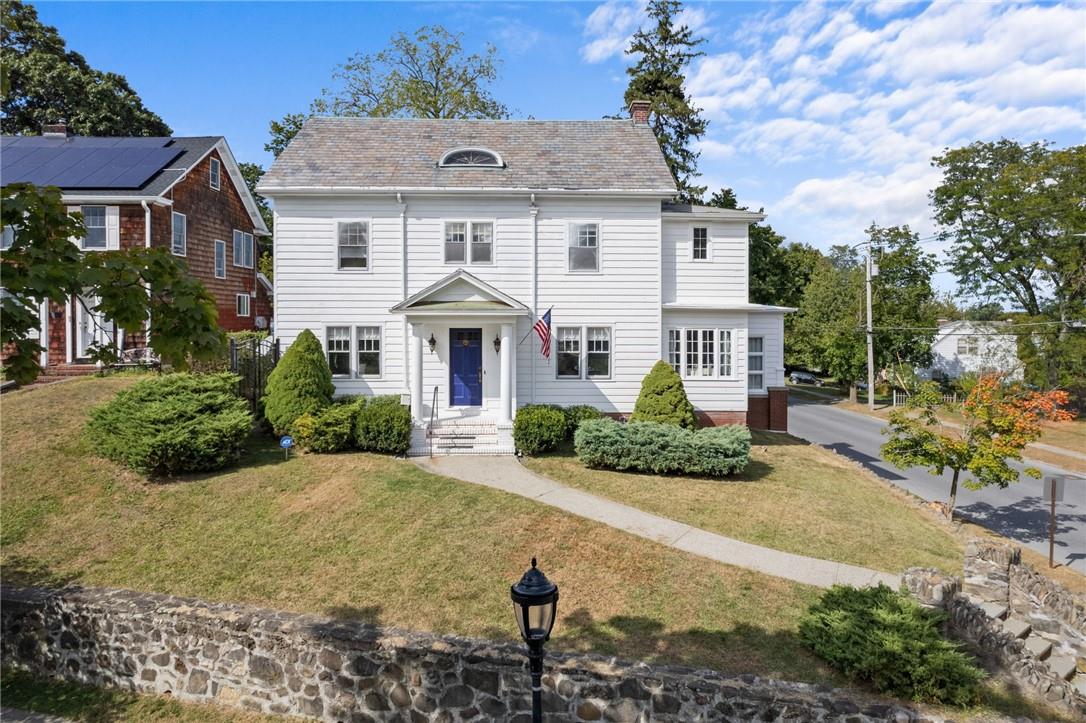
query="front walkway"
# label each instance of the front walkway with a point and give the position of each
(509, 475)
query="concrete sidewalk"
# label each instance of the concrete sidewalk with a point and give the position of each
(509, 475)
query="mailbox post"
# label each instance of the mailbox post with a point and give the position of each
(1053, 493)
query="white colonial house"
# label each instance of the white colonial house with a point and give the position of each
(422, 252)
(972, 347)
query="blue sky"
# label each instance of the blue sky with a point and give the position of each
(826, 114)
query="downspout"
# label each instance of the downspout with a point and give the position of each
(533, 210)
(147, 245)
(403, 279)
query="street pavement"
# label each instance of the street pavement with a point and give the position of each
(1018, 512)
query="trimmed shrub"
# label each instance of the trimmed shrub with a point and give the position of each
(663, 399)
(883, 637)
(663, 448)
(539, 428)
(330, 430)
(301, 383)
(383, 425)
(173, 424)
(577, 414)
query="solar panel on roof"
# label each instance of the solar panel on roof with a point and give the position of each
(103, 163)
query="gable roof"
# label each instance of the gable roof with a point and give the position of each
(460, 292)
(39, 156)
(397, 154)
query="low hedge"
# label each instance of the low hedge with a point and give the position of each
(663, 448)
(382, 424)
(539, 428)
(173, 424)
(329, 430)
(879, 636)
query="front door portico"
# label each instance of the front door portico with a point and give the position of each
(465, 367)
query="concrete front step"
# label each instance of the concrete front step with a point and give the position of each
(1016, 627)
(1062, 665)
(1038, 646)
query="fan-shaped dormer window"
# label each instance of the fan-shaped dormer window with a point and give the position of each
(472, 158)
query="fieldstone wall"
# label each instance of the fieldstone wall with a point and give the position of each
(1014, 617)
(319, 668)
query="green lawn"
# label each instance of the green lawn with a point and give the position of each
(793, 496)
(367, 537)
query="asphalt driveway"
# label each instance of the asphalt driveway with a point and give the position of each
(1017, 512)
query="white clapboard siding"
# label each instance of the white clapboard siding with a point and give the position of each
(771, 328)
(720, 279)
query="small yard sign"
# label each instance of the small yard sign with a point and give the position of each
(286, 442)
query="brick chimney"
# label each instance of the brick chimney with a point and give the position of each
(55, 130)
(639, 111)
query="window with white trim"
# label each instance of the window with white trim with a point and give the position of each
(568, 348)
(94, 220)
(584, 247)
(353, 245)
(243, 249)
(179, 238)
(456, 241)
(369, 351)
(482, 242)
(338, 347)
(242, 304)
(216, 173)
(220, 259)
(701, 244)
(755, 363)
(725, 352)
(469, 242)
(598, 362)
(968, 345)
(675, 349)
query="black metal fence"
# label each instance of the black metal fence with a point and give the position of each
(252, 360)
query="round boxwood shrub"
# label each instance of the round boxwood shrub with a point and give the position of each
(663, 448)
(663, 399)
(879, 636)
(329, 430)
(577, 414)
(301, 383)
(383, 425)
(539, 428)
(173, 424)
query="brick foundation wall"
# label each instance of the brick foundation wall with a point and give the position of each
(758, 412)
(778, 409)
(716, 419)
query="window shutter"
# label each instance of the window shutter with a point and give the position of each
(72, 210)
(113, 227)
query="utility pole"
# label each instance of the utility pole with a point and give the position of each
(872, 271)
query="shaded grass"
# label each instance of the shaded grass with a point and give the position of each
(794, 497)
(85, 703)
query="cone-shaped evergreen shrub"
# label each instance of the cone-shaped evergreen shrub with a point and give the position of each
(663, 399)
(301, 383)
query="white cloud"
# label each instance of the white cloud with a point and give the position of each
(715, 149)
(609, 28)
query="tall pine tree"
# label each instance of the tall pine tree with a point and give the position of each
(663, 52)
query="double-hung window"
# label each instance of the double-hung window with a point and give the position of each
(369, 350)
(584, 352)
(968, 345)
(339, 350)
(242, 301)
(216, 173)
(220, 259)
(584, 247)
(699, 353)
(755, 364)
(243, 249)
(94, 219)
(458, 250)
(352, 245)
(179, 239)
(701, 244)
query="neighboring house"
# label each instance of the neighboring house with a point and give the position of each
(184, 194)
(971, 347)
(422, 252)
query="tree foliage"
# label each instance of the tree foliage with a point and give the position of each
(45, 82)
(301, 383)
(1000, 419)
(130, 285)
(662, 53)
(663, 399)
(424, 75)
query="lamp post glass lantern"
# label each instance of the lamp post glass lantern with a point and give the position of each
(535, 601)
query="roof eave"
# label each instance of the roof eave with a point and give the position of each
(272, 191)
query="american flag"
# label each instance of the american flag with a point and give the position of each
(543, 329)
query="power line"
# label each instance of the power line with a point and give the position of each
(1001, 330)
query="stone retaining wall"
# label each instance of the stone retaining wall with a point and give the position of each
(334, 671)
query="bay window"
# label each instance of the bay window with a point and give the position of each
(701, 353)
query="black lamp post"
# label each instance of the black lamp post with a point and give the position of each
(535, 601)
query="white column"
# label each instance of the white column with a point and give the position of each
(506, 411)
(416, 373)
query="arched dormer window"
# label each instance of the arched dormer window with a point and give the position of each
(471, 158)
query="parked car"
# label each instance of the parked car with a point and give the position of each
(805, 378)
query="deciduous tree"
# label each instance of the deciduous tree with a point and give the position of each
(1000, 419)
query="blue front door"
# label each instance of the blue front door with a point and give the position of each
(466, 367)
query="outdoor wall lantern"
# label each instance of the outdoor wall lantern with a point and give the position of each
(432, 342)
(497, 344)
(535, 600)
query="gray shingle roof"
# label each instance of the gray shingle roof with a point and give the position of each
(192, 150)
(394, 153)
